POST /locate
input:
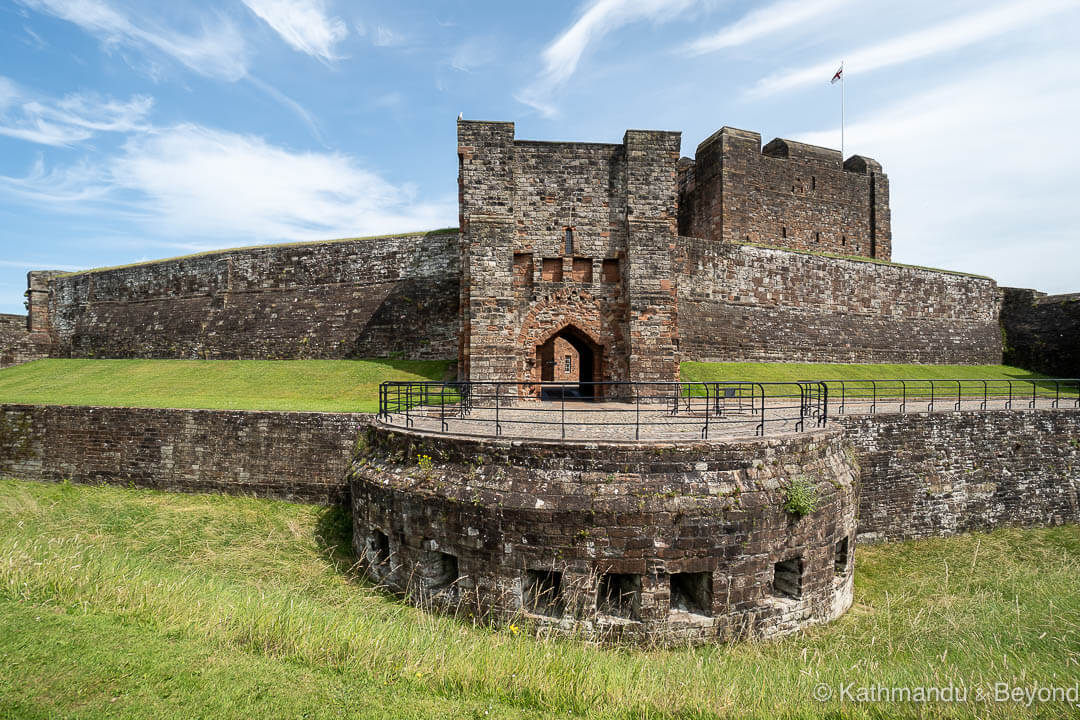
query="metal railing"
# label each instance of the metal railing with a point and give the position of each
(689, 410)
(899, 396)
(605, 410)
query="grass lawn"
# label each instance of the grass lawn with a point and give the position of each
(853, 374)
(352, 385)
(320, 385)
(131, 604)
(783, 372)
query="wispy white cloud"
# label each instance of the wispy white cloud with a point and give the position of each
(301, 112)
(600, 17)
(390, 99)
(385, 37)
(33, 39)
(982, 177)
(471, 54)
(218, 50)
(303, 24)
(193, 182)
(68, 120)
(946, 36)
(78, 188)
(761, 22)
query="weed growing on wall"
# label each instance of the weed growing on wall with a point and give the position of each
(800, 496)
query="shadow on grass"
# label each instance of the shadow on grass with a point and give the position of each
(334, 536)
(434, 370)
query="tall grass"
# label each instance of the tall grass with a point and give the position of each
(269, 585)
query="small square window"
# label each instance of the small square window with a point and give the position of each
(619, 595)
(692, 593)
(841, 562)
(378, 548)
(543, 592)
(551, 270)
(610, 268)
(787, 578)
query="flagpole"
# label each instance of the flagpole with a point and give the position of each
(842, 79)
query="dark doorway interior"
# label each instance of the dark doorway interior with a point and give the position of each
(570, 357)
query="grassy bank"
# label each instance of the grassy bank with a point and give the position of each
(321, 385)
(918, 380)
(127, 603)
(786, 372)
(352, 385)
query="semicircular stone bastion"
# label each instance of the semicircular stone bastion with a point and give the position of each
(644, 542)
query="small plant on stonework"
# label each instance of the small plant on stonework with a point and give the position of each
(800, 497)
(424, 461)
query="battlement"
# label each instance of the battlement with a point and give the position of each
(786, 194)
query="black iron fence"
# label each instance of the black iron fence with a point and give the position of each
(901, 396)
(688, 410)
(614, 410)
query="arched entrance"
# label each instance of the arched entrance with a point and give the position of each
(570, 356)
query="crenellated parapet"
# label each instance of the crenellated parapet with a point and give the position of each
(786, 194)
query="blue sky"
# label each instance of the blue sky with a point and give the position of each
(136, 130)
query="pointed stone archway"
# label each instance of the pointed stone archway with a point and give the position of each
(570, 356)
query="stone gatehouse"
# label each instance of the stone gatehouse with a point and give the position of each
(569, 242)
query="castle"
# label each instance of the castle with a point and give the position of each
(622, 257)
(583, 262)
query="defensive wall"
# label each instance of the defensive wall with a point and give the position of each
(295, 456)
(399, 295)
(926, 474)
(652, 541)
(1042, 332)
(347, 298)
(920, 474)
(746, 303)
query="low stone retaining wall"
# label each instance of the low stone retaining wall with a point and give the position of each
(925, 474)
(289, 455)
(652, 541)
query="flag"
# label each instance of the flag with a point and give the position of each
(839, 74)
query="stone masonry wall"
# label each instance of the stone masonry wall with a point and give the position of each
(524, 279)
(1042, 332)
(744, 303)
(925, 474)
(787, 194)
(286, 455)
(653, 541)
(352, 298)
(17, 344)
